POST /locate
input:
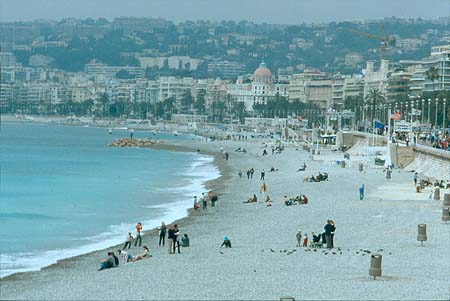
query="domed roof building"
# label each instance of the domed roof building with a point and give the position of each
(263, 74)
(261, 89)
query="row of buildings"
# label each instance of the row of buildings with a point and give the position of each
(41, 85)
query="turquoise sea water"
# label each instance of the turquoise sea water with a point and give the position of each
(63, 192)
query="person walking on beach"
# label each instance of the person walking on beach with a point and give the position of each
(171, 238)
(361, 192)
(196, 205)
(252, 171)
(205, 201)
(305, 240)
(263, 174)
(176, 241)
(415, 179)
(138, 234)
(240, 174)
(263, 188)
(214, 199)
(329, 229)
(248, 174)
(128, 241)
(162, 234)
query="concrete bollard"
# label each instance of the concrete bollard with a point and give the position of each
(375, 265)
(445, 214)
(447, 200)
(437, 194)
(422, 233)
(361, 167)
(343, 164)
(287, 298)
(388, 174)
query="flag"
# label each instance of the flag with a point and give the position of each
(396, 115)
(378, 125)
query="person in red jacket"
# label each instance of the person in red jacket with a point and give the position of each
(138, 234)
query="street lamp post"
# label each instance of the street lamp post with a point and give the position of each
(435, 113)
(423, 104)
(428, 120)
(443, 114)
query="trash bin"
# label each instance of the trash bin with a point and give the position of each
(388, 174)
(445, 214)
(447, 200)
(375, 265)
(343, 164)
(437, 194)
(422, 233)
(361, 167)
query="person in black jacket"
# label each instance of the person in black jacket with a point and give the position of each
(329, 233)
(171, 239)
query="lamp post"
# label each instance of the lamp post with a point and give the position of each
(428, 120)
(423, 104)
(443, 114)
(435, 114)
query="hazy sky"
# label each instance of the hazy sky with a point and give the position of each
(270, 11)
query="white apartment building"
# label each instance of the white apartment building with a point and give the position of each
(173, 62)
(7, 59)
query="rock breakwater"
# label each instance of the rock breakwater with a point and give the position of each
(127, 142)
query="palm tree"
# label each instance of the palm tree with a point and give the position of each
(374, 99)
(432, 74)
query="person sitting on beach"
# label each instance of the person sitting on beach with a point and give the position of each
(303, 168)
(273, 169)
(226, 242)
(254, 199)
(125, 256)
(144, 255)
(109, 262)
(185, 241)
(304, 199)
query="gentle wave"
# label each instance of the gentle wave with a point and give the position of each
(200, 171)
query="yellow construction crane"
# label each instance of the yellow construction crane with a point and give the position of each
(385, 40)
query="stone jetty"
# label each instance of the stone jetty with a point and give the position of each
(127, 142)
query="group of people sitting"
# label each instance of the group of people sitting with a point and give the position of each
(112, 261)
(320, 177)
(298, 200)
(240, 150)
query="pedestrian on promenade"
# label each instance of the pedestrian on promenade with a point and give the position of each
(138, 234)
(415, 179)
(162, 234)
(128, 241)
(361, 192)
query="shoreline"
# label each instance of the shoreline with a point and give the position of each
(151, 234)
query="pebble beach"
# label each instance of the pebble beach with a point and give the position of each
(264, 262)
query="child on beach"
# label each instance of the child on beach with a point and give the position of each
(299, 238)
(305, 240)
(128, 241)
